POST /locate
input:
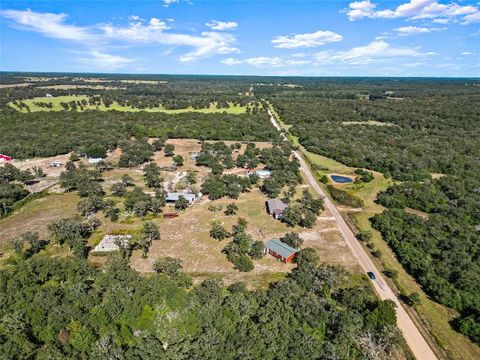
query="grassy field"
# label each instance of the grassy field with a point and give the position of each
(37, 214)
(55, 101)
(434, 317)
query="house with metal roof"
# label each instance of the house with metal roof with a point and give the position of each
(276, 207)
(280, 250)
(174, 196)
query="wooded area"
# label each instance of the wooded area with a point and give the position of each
(410, 130)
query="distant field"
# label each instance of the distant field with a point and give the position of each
(79, 86)
(57, 100)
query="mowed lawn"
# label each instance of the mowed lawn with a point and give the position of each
(57, 100)
(37, 214)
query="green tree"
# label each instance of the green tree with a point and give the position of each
(168, 266)
(169, 150)
(181, 203)
(231, 209)
(178, 160)
(217, 231)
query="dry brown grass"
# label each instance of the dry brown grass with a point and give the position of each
(187, 238)
(37, 214)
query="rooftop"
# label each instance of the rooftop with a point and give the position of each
(276, 204)
(280, 248)
(175, 196)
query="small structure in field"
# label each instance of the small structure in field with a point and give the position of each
(194, 155)
(276, 207)
(263, 174)
(170, 168)
(94, 160)
(172, 197)
(280, 250)
(109, 243)
(5, 158)
(170, 215)
(48, 95)
(56, 163)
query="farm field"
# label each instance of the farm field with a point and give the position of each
(188, 238)
(57, 100)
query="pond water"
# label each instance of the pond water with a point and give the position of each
(341, 179)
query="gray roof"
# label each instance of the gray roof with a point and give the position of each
(276, 204)
(175, 196)
(280, 248)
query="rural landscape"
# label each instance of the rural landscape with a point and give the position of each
(153, 216)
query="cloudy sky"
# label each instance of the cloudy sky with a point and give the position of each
(359, 38)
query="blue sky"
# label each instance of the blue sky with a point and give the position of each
(324, 38)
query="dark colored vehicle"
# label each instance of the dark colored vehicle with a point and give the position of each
(371, 275)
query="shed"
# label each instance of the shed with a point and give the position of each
(94, 160)
(109, 243)
(280, 250)
(276, 207)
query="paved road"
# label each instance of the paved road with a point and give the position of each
(414, 338)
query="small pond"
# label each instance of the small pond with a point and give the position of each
(341, 179)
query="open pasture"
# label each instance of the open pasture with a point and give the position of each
(55, 101)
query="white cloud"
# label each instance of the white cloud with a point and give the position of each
(265, 61)
(415, 9)
(472, 18)
(306, 40)
(137, 31)
(222, 25)
(205, 44)
(375, 51)
(103, 61)
(167, 3)
(467, 53)
(48, 24)
(414, 30)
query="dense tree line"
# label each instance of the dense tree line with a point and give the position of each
(52, 133)
(62, 307)
(420, 127)
(427, 132)
(11, 186)
(443, 251)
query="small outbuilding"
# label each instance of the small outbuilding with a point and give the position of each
(109, 243)
(280, 250)
(56, 163)
(276, 207)
(94, 160)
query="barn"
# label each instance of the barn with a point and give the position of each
(280, 250)
(5, 158)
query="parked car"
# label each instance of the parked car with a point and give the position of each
(371, 275)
